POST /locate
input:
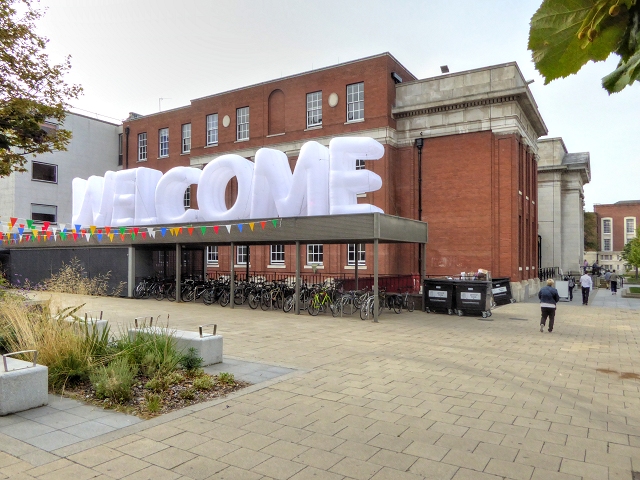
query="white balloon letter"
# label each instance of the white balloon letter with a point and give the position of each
(213, 182)
(170, 195)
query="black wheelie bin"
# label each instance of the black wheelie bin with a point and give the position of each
(501, 289)
(473, 297)
(439, 295)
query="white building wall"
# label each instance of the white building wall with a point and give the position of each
(93, 150)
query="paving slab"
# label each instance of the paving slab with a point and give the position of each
(414, 396)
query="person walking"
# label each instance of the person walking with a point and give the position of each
(586, 284)
(607, 278)
(614, 282)
(571, 284)
(548, 299)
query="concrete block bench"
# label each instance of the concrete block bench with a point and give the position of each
(23, 385)
(208, 346)
(92, 319)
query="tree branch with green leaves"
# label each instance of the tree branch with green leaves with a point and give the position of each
(32, 91)
(566, 34)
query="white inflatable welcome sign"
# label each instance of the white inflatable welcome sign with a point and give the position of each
(325, 181)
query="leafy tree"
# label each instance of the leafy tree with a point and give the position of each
(631, 252)
(590, 231)
(566, 34)
(31, 90)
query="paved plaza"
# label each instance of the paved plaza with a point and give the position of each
(414, 396)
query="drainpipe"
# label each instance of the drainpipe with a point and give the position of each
(419, 144)
(126, 153)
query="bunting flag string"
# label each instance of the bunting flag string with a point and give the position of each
(34, 231)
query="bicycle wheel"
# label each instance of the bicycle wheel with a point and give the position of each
(184, 294)
(171, 293)
(411, 304)
(265, 300)
(279, 301)
(159, 293)
(314, 307)
(254, 300)
(225, 296)
(289, 302)
(207, 296)
(364, 311)
(139, 291)
(397, 304)
(335, 309)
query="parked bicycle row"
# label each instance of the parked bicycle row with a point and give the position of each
(318, 298)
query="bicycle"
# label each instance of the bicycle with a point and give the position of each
(320, 301)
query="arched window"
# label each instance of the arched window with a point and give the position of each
(276, 112)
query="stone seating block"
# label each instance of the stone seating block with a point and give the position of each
(208, 347)
(23, 387)
(100, 325)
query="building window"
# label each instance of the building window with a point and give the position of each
(44, 213)
(212, 255)
(359, 164)
(314, 109)
(186, 201)
(212, 129)
(163, 141)
(607, 245)
(142, 147)
(186, 138)
(119, 149)
(351, 254)
(315, 254)
(44, 172)
(606, 226)
(242, 117)
(241, 255)
(277, 254)
(630, 225)
(355, 102)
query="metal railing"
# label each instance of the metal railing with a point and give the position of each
(548, 272)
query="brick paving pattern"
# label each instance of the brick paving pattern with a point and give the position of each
(415, 396)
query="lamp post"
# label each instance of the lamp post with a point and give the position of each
(419, 145)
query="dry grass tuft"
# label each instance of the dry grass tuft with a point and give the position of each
(73, 278)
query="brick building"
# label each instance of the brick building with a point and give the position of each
(616, 224)
(479, 132)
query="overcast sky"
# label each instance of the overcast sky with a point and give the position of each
(127, 54)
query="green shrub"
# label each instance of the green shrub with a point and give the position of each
(153, 353)
(153, 402)
(115, 380)
(161, 382)
(226, 378)
(188, 394)
(203, 383)
(190, 361)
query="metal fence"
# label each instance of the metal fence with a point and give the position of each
(548, 272)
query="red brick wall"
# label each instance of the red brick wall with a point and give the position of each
(617, 212)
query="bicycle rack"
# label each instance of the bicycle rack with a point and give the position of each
(89, 316)
(201, 327)
(143, 323)
(5, 355)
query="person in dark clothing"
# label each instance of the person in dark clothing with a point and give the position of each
(571, 285)
(614, 282)
(548, 299)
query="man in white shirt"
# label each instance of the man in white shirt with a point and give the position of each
(586, 283)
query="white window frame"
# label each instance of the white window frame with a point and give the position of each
(315, 254)
(212, 129)
(276, 254)
(186, 199)
(163, 142)
(605, 247)
(241, 254)
(212, 254)
(314, 109)
(120, 135)
(186, 138)
(607, 222)
(242, 124)
(351, 254)
(142, 147)
(355, 102)
(630, 221)
(55, 170)
(55, 214)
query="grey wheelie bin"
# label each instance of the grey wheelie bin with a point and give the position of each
(473, 298)
(501, 289)
(439, 295)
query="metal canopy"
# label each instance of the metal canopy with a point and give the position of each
(354, 228)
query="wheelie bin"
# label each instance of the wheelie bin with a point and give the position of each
(501, 289)
(473, 297)
(439, 295)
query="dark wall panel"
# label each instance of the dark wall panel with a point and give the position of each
(39, 264)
